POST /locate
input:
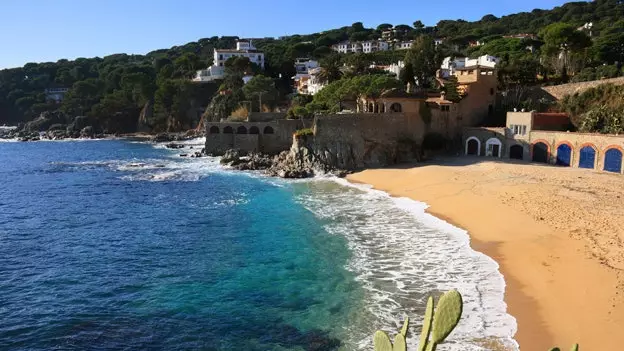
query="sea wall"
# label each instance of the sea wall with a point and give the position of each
(362, 140)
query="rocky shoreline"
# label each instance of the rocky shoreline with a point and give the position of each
(284, 165)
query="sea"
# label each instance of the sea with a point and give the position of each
(127, 245)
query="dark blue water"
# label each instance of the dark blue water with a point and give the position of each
(112, 245)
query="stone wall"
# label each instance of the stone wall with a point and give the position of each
(267, 137)
(364, 140)
(560, 91)
(484, 136)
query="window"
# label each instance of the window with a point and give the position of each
(470, 72)
(524, 130)
(221, 57)
(445, 108)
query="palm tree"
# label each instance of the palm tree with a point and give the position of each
(330, 69)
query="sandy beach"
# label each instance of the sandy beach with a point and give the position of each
(555, 232)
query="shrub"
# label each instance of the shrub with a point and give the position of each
(304, 132)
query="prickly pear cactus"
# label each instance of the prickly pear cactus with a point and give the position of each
(382, 341)
(555, 349)
(446, 316)
(426, 328)
(405, 327)
(399, 343)
(575, 347)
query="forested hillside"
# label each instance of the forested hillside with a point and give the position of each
(120, 93)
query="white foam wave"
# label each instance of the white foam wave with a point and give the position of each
(400, 254)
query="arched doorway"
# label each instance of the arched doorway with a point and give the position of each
(613, 161)
(228, 130)
(493, 147)
(564, 155)
(396, 107)
(268, 130)
(254, 130)
(241, 130)
(587, 157)
(540, 152)
(472, 146)
(214, 130)
(516, 152)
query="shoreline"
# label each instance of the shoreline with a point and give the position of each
(550, 275)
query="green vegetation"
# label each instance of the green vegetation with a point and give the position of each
(369, 85)
(438, 323)
(119, 91)
(304, 132)
(599, 109)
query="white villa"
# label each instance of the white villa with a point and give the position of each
(314, 84)
(403, 45)
(217, 70)
(303, 66)
(450, 65)
(361, 46)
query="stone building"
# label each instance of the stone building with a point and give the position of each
(545, 138)
(268, 133)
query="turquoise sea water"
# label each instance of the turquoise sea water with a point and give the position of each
(115, 245)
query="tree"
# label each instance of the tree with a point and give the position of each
(384, 27)
(564, 46)
(330, 69)
(261, 87)
(425, 60)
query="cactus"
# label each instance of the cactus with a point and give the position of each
(426, 329)
(405, 326)
(575, 347)
(382, 341)
(443, 321)
(446, 317)
(399, 343)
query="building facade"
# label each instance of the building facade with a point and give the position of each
(543, 138)
(303, 67)
(220, 56)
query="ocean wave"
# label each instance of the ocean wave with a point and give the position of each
(401, 254)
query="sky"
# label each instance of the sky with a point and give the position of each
(49, 30)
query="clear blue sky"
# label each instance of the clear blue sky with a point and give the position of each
(48, 30)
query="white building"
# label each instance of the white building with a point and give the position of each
(483, 61)
(404, 45)
(373, 46)
(314, 84)
(396, 68)
(303, 66)
(217, 70)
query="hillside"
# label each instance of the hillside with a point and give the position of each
(120, 93)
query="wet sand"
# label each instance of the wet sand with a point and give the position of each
(555, 232)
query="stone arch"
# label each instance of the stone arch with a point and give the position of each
(564, 153)
(268, 130)
(540, 151)
(613, 159)
(493, 147)
(396, 107)
(228, 130)
(376, 108)
(516, 152)
(383, 108)
(241, 130)
(473, 146)
(370, 107)
(587, 156)
(214, 130)
(254, 130)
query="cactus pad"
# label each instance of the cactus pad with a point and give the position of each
(426, 328)
(405, 327)
(399, 343)
(447, 315)
(382, 341)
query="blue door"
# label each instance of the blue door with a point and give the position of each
(587, 158)
(613, 161)
(564, 154)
